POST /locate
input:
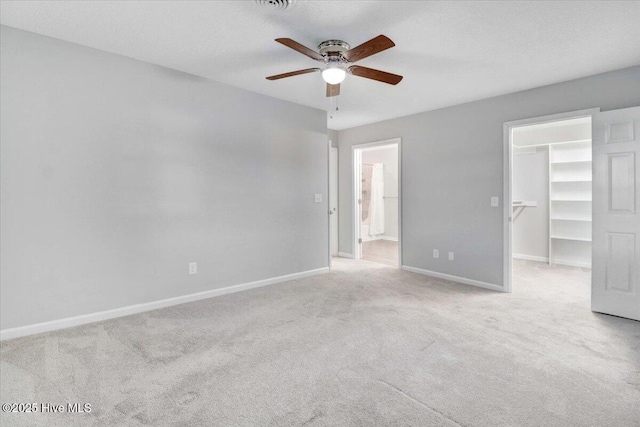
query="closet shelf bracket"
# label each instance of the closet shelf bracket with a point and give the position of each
(519, 206)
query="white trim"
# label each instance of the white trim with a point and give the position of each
(355, 217)
(356, 157)
(379, 237)
(507, 197)
(457, 279)
(330, 215)
(329, 240)
(531, 257)
(69, 322)
(572, 263)
(555, 262)
(345, 255)
(507, 202)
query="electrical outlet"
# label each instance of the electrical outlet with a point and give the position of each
(193, 268)
(450, 256)
(317, 198)
(436, 253)
(495, 201)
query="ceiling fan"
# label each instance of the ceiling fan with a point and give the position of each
(336, 57)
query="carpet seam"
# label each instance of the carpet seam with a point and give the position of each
(405, 394)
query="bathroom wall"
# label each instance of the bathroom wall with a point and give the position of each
(389, 157)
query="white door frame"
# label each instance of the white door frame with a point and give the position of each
(329, 257)
(355, 185)
(508, 164)
(333, 213)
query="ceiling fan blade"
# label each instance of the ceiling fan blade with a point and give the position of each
(333, 90)
(293, 73)
(373, 46)
(300, 48)
(370, 73)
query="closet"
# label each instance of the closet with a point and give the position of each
(552, 192)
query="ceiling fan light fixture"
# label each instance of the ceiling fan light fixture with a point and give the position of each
(337, 58)
(334, 75)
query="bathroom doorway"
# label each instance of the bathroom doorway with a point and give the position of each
(377, 202)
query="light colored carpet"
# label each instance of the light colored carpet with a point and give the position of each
(365, 345)
(381, 251)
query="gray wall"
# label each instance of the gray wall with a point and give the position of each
(333, 137)
(530, 182)
(452, 163)
(116, 174)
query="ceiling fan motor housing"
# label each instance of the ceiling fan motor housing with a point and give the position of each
(330, 48)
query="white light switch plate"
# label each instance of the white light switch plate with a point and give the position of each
(318, 198)
(193, 268)
(495, 201)
(450, 256)
(436, 253)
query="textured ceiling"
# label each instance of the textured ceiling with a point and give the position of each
(448, 52)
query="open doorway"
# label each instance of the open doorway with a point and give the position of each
(377, 201)
(593, 206)
(551, 203)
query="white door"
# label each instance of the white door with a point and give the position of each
(357, 250)
(333, 199)
(615, 286)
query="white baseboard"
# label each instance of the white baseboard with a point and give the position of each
(572, 263)
(556, 261)
(345, 255)
(69, 322)
(531, 257)
(452, 278)
(371, 239)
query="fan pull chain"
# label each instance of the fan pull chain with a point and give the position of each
(332, 109)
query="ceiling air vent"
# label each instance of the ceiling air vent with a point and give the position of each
(277, 4)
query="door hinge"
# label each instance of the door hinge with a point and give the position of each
(360, 241)
(359, 201)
